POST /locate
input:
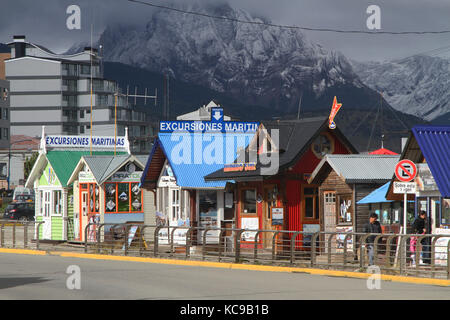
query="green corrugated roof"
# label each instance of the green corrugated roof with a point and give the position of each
(64, 162)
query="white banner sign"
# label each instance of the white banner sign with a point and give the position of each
(404, 187)
(84, 142)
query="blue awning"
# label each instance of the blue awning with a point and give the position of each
(376, 196)
(434, 142)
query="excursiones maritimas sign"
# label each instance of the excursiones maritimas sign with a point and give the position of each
(216, 125)
(84, 142)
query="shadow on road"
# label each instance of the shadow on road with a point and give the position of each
(16, 282)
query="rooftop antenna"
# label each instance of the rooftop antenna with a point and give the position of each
(91, 94)
(135, 96)
(299, 105)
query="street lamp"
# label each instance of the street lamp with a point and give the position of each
(9, 156)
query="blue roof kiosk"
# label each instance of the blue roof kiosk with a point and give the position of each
(183, 154)
(429, 148)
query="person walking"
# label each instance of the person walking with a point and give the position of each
(373, 226)
(420, 227)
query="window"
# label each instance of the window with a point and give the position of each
(57, 202)
(85, 69)
(81, 129)
(81, 114)
(311, 203)
(123, 197)
(207, 208)
(322, 145)
(175, 204)
(249, 201)
(6, 133)
(5, 114)
(445, 215)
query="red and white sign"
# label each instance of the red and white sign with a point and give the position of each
(334, 110)
(405, 170)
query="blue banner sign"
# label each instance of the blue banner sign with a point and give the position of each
(217, 124)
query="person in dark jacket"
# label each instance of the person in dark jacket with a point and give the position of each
(373, 226)
(420, 227)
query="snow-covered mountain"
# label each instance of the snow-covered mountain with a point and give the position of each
(418, 85)
(258, 64)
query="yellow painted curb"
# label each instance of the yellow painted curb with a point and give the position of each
(23, 251)
(235, 266)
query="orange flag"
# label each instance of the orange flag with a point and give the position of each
(334, 110)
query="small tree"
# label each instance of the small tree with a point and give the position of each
(29, 163)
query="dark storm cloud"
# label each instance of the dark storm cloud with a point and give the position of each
(44, 22)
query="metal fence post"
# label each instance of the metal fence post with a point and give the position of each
(127, 230)
(362, 246)
(172, 240)
(98, 236)
(25, 234)
(188, 242)
(313, 248)
(293, 237)
(86, 237)
(14, 235)
(345, 248)
(204, 243)
(220, 242)
(274, 239)
(329, 247)
(255, 249)
(375, 249)
(448, 260)
(238, 244)
(156, 238)
(2, 235)
(37, 238)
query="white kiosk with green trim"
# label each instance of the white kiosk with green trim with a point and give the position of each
(54, 198)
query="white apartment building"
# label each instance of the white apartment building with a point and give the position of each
(55, 90)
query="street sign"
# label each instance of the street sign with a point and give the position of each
(405, 170)
(405, 187)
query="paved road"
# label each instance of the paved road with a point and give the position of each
(44, 277)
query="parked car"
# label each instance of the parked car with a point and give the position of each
(22, 211)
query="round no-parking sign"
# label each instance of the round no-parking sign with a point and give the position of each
(405, 170)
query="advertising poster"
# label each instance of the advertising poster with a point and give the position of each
(441, 247)
(251, 224)
(341, 236)
(277, 216)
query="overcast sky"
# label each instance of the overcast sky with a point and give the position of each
(44, 22)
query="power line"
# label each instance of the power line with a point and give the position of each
(289, 26)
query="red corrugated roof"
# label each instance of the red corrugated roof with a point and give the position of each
(383, 151)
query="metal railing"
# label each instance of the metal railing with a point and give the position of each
(417, 255)
(16, 234)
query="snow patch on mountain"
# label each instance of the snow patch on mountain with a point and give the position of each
(259, 64)
(418, 85)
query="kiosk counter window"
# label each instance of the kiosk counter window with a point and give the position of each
(123, 197)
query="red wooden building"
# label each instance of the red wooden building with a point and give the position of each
(300, 147)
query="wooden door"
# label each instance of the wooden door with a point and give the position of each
(270, 201)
